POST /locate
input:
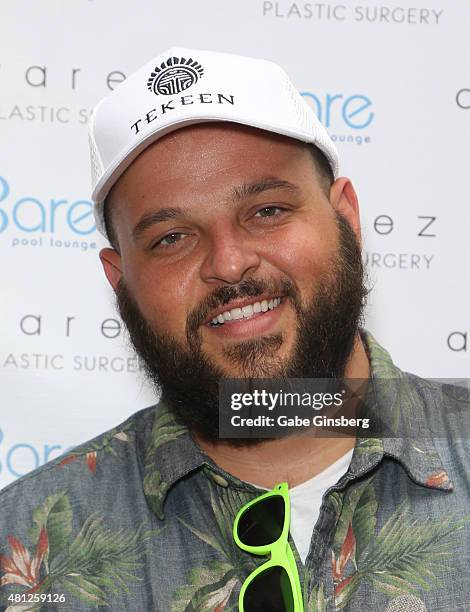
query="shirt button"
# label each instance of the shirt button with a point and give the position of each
(220, 480)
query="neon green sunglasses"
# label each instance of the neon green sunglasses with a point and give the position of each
(261, 527)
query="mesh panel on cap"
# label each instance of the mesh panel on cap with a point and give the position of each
(306, 122)
(96, 165)
(300, 110)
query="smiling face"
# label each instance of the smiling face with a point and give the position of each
(232, 256)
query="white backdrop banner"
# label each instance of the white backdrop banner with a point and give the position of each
(391, 82)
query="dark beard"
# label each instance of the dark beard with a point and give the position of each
(326, 329)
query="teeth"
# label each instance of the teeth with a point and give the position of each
(237, 313)
(246, 311)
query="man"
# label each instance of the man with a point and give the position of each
(235, 253)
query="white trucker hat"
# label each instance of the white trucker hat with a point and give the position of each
(180, 87)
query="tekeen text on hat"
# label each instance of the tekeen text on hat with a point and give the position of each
(180, 87)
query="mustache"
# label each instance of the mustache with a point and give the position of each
(248, 288)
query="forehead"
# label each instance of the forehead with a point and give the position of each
(207, 159)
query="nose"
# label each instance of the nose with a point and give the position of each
(230, 258)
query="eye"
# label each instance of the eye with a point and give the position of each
(269, 211)
(168, 240)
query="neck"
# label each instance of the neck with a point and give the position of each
(294, 459)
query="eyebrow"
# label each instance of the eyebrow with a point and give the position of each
(238, 193)
(152, 218)
(265, 184)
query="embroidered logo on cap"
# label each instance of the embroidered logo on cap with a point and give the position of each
(174, 75)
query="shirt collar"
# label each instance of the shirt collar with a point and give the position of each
(401, 405)
(170, 452)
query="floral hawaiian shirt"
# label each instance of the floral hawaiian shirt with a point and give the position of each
(140, 519)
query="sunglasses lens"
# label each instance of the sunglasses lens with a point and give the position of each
(262, 523)
(270, 591)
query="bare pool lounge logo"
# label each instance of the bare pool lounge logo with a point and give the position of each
(174, 76)
(33, 221)
(348, 116)
(24, 456)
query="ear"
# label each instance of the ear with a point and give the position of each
(344, 200)
(111, 262)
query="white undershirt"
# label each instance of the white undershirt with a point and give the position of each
(306, 500)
